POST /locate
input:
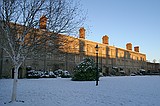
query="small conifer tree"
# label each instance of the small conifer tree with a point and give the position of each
(85, 71)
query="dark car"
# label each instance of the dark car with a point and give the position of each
(66, 74)
(48, 74)
(52, 75)
(58, 72)
(33, 74)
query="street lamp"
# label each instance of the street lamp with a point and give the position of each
(97, 73)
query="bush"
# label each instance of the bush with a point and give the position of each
(85, 71)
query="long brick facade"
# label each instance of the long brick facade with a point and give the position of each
(75, 50)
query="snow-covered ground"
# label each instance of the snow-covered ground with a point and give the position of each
(112, 91)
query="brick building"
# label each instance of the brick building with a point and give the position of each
(110, 58)
(153, 68)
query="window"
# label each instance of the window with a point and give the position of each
(49, 55)
(77, 58)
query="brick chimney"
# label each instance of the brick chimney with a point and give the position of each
(43, 22)
(82, 33)
(105, 39)
(136, 48)
(129, 46)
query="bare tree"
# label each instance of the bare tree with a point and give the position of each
(19, 23)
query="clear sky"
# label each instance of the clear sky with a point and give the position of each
(124, 21)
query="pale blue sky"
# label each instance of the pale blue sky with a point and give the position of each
(135, 21)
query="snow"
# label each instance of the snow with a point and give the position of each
(111, 91)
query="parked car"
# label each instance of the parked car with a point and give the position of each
(45, 75)
(66, 74)
(62, 73)
(142, 71)
(52, 75)
(122, 73)
(48, 74)
(132, 74)
(33, 74)
(58, 72)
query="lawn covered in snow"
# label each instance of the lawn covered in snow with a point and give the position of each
(112, 91)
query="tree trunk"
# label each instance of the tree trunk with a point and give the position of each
(15, 81)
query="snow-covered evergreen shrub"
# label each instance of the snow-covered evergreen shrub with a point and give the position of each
(85, 71)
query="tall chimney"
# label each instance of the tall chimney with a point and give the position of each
(43, 22)
(82, 33)
(136, 48)
(105, 39)
(129, 46)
